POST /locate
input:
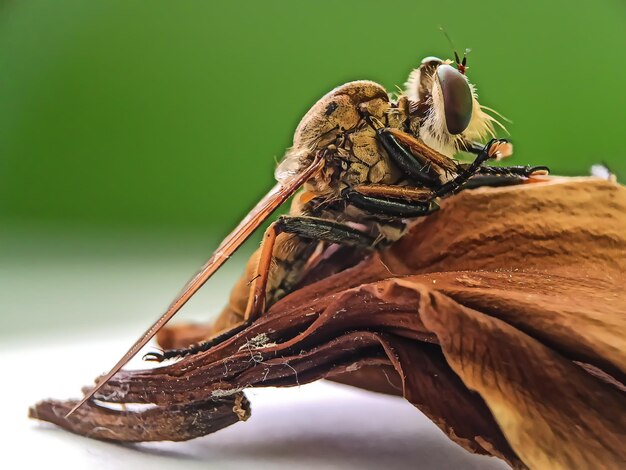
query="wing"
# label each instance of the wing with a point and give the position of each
(265, 207)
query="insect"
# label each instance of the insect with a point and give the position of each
(363, 166)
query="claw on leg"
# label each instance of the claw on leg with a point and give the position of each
(153, 357)
(538, 171)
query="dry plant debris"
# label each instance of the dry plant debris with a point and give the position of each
(502, 317)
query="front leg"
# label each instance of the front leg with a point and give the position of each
(476, 148)
(490, 151)
(496, 176)
(517, 170)
(499, 175)
(431, 168)
(421, 170)
(406, 146)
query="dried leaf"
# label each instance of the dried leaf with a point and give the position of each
(502, 317)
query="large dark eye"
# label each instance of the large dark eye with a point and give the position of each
(457, 98)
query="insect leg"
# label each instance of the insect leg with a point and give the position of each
(388, 206)
(495, 176)
(326, 230)
(305, 227)
(493, 181)
(524, 171)
(498, 175)
(392, 191)
(406, 149)
(489, 151)
(196, 348)
(504, 151)
(406, 161)
(256, 303)
(472, 147)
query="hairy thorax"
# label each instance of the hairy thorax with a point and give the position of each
(336, 125)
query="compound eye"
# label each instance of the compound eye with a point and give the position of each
(457, 98)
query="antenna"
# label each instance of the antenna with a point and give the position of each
(460, 64)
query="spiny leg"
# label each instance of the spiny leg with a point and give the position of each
(517, 170)
(507, 172)
(405, 193)
(256, 303)
(428, 167)
(417, 166)
(312, 228)
(306, 227)
(497, 176)
(414, 158)
(420, 172)
(504, 151)
(405, 150)
(493, 181)
(489, 151)
(389, 201)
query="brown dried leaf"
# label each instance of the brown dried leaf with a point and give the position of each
(502, 317)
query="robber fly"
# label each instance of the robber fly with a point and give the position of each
(363, 165)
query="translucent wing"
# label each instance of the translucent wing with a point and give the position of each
(265, 207)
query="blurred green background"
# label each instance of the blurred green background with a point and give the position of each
(140, 132)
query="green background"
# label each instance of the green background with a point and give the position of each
(135, 134)
(172, 114)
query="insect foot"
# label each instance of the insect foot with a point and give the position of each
(153, 357)
(495, 148)
(537, 171)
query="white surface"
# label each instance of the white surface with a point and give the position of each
(71, 305)
(320, 425)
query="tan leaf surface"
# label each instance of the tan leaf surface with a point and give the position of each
(502, 317)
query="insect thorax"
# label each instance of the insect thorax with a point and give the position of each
(340, 125)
